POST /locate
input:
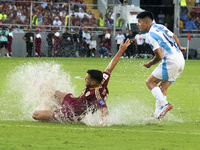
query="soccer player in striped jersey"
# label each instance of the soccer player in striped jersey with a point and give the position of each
(167, 48)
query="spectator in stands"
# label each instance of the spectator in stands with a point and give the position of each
(184, 17)
(40, 19)
(92, 46)
(108, 37)
(81, 33)
(83, 48)
(190, 25)
(103, 48)
(197, 22)
(101, 21)
(22, 18)
(73, 20)
(78, 21)
(63, 14)
(50, 40)
(100, 37)
(89, 14)
(38, 41)
(193, 14)
(93, 21)
(76, 38)
(29, 38)
(57, 22)
(161, 17)
(35, 19)
(183, 5)
(8, 20)
(140, 38)
(197, 9)
(119, 38)
(48, 7)
(87, 36)
(180, 23)
(109, 21)
(81, 14)
(112, 14)
(119, 21)
(66, 19)
(85, 20)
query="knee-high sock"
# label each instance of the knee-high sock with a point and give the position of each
(157, 93)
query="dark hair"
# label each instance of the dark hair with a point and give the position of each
(96, 75)
(145, 14)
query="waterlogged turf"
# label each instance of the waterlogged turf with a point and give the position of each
(129, 104)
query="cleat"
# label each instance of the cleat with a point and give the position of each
(163, 110)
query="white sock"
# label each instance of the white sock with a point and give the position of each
(157, 93)
(7, 54)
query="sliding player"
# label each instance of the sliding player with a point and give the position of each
(167, 48)
(93, 97)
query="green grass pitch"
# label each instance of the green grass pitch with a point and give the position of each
(129, 99)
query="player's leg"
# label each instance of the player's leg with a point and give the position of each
(43, 115)
(60, 96)
(164, 86)
(162, 106)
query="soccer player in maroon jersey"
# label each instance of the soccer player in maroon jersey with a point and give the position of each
(92, 98)
(10, 37)
(38, 41)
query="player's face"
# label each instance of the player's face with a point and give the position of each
(88, 81)
(142, 24)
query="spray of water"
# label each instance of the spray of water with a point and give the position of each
(31, 86)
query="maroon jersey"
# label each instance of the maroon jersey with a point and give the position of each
(74, 109)
(10, 37)
(38, 44)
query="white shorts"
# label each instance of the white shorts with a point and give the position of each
(169, 70)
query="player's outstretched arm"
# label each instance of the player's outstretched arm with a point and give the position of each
(116, 58)
(104, 115)
(178, 44)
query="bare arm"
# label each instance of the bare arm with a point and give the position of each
(178, 44)
(104, 115)
(24, 38)
(156, 59)
(116, 58)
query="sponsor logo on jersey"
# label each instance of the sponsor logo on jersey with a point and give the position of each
(101, 102)
(105, 76)
(88, 93)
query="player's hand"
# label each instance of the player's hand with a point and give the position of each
(124, 46)
(147, 64)
(182, 49)
(59, 95)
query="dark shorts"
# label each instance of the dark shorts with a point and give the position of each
(3, 44)
(65, 114)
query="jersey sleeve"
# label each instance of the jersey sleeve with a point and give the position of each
(153, 42)
(106, 78)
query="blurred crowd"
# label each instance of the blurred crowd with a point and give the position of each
(189, 19)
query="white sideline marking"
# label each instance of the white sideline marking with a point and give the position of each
(128, 130)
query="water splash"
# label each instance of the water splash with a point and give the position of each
(31, 86)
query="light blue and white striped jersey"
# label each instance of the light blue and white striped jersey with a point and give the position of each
(3, 38)
(161, 37)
